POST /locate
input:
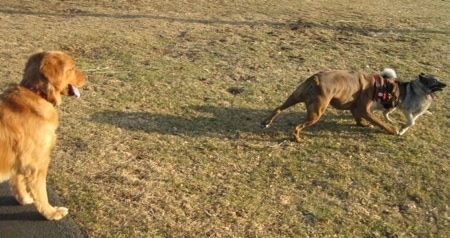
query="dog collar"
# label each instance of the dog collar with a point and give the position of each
(383, 94)
(380, 91)
(37, 91)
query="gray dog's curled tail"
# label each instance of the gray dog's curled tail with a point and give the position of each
(388, 73)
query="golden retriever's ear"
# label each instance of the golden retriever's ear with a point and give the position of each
(53, 95)
(53, 70)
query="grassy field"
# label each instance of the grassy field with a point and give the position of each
(165, 140)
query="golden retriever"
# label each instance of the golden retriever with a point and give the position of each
(28, 121)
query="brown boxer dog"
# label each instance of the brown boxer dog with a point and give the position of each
(355, 91)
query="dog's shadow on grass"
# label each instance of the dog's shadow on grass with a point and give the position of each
(220, 121)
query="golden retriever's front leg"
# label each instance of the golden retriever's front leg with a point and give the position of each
(38, 189)
(19, 188)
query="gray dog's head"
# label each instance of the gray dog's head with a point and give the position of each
(431, 82)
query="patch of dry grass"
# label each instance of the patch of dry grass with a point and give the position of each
(158, 146)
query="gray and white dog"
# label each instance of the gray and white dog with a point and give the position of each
(414, 97)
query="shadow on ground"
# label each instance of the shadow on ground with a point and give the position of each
(218, 121)
(25, 221)
(295, 24)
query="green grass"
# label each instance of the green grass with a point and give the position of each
(157, 146)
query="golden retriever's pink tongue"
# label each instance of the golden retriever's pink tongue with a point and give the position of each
(74, 91)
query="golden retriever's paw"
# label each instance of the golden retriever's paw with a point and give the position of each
(57, 214)
(25, 200)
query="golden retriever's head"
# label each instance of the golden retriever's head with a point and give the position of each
(52, 74)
